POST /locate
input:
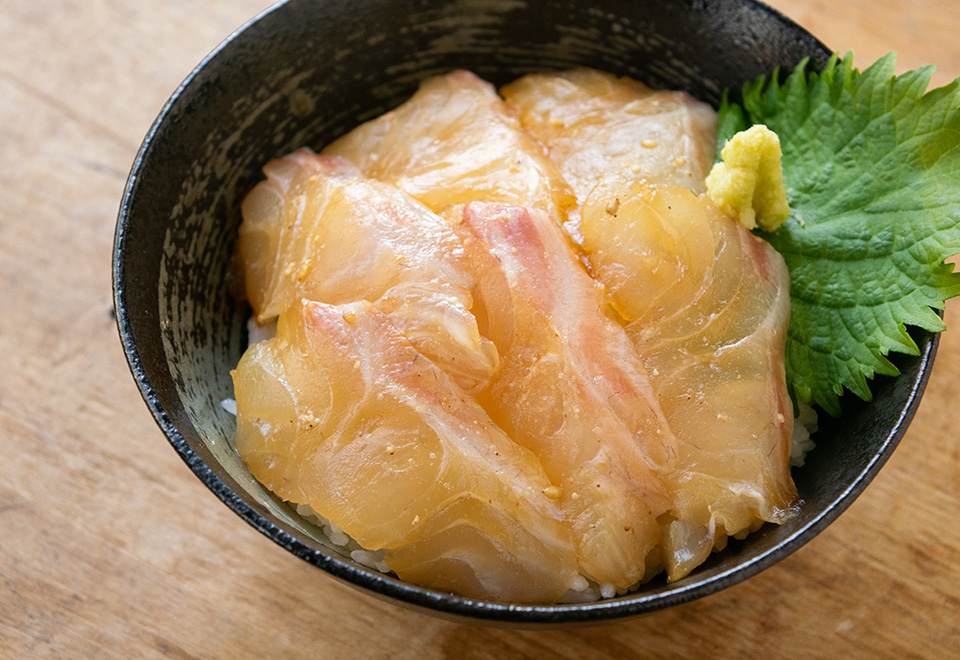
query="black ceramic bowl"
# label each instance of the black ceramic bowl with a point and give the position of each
(305, 72)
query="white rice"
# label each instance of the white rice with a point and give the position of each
(256, 333)
(342, 542)
(804, 425)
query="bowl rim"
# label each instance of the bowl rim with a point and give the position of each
(433, 601)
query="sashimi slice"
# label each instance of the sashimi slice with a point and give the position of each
(453, 142)
(317, 229)
(652, 247)
(340, 412)
(571, 387)
(595, 124)
(713, 342)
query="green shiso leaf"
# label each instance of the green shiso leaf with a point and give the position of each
(871, 163)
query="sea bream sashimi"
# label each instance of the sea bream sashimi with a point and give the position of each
(494, 402)
(455, 141)
(571, 387)
(594, 123)
(316, 228)
(341, 413)
(706, 305)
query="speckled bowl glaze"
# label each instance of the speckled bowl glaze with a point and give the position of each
(306, 71)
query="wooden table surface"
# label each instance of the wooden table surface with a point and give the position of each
(111, 548)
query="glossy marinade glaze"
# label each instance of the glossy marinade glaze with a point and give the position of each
(510, 362)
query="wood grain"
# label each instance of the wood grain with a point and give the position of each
(111, 548)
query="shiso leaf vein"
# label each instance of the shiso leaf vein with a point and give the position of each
(871, 162)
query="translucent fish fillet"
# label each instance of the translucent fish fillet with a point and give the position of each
(594, 124)
(455, 141)
(317, 229)
(706, 305)
(571, 387)
(340, 412)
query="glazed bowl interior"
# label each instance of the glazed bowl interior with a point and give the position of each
(303, 73)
